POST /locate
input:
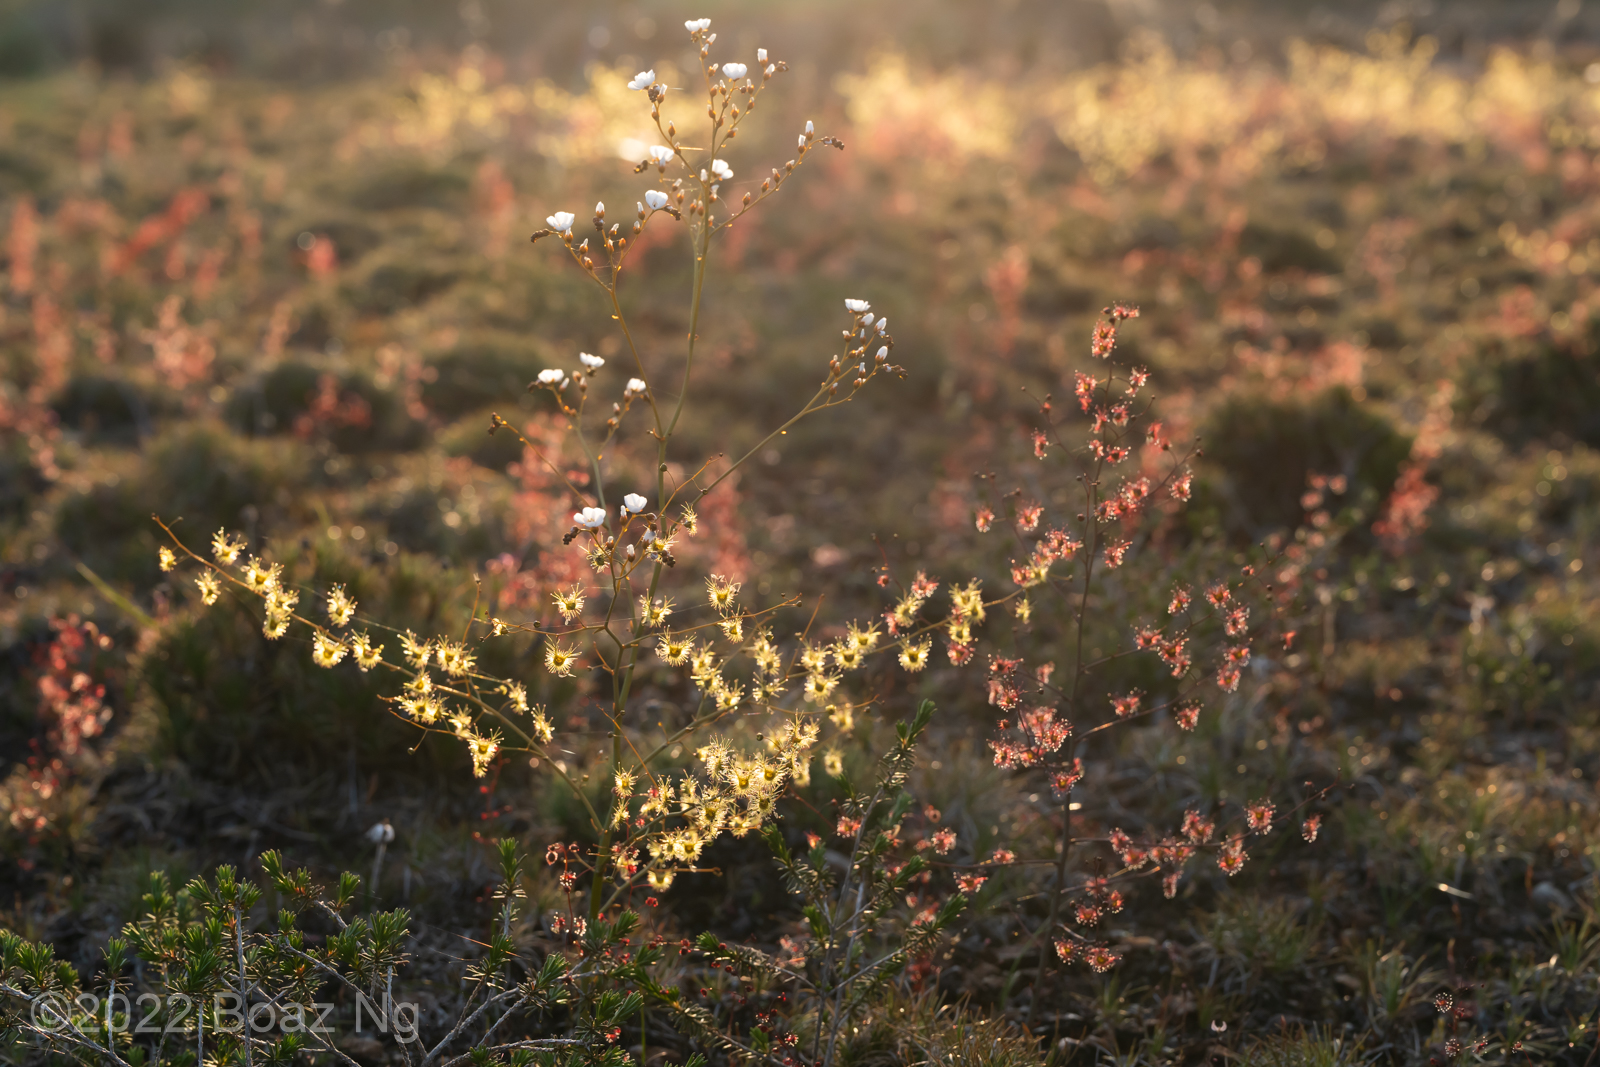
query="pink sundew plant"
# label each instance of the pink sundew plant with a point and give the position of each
(1126, 483)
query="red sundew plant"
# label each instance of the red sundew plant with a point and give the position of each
(72, 713)
(1105, 538)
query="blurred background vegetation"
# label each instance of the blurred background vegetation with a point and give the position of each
(265, 267)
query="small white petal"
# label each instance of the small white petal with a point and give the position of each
(660, 153)
(656, 199)
(561, 221)
(592, 362)
(643, 80)
(857, 306)
(734, 71)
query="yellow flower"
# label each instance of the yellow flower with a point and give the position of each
(968, 602)
(833, 762)
(842, 715)
(559, 661)
(424, 709)
(915, 657)
(417, 653)
(812, 659)
(518, 695)
(651, 615)
(623, 784)
(819, 685)
(340, 606)
(691, 521)
(660, 879)
(1024, 609)
(767, 658)
(165, 559)
(658, 545)
(733, 628)
(703, 665)
(569, 602)
(225, 549)
(729, 696)
(262, 577)
(275, 626)
(715, 754)
(847, 655)
(326, 651)
(454, 658)
(863, 640)
(722, 593)
(674, 648)
(366, 653)
(281, 601)
(210, 588)
(542, 727)
(482, 750)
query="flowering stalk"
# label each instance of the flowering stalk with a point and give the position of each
(672, 817)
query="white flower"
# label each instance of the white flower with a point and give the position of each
(381, 833)
(720, 168)
(656, 199)
(633, 503)
(643, 80)
(592, 362)
(635, 387)
(590, 518)
(761, 55)
(866, 320)
(697, 24)
(857, 306)
(561, 221)
(734, 70)
(550, 377)
(660, 154)
(810, 129)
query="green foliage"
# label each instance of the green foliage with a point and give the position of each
(1265, 450)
